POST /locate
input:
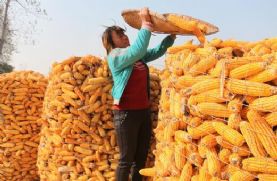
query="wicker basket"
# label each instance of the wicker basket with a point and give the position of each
(161, 25)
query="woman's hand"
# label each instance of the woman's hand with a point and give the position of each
(144, 15)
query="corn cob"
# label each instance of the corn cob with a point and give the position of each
(265, 104)
(233, 121)
(186, 173)
(267, 177)
(252, 140)
(235, 159)
(200, 35)
(208, 141)
(244, 87)
(149, 172)
(175, 49)
(264, 132)
(210, 96)
(203, 86)
(224, 155)
(182, 23)
(195, 158)
(201, 130)
(271, 119)
(203, 172)
(235, 105)
(182, 136)
(228, 133)
(202, 66)
(247, 70)
(264, 76)
(264, 165)
(213, 164)
(213, 109)
(179, 156)
(241, 175)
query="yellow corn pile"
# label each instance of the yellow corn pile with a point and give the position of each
(21, 99)
(217, 117)
(78, 140)
(155, 92)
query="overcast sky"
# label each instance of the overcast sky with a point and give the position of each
(75, 27)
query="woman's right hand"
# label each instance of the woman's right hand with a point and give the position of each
(145, 16)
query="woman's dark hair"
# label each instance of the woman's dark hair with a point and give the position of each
(107, 37)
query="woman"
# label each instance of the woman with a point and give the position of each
(131, 93)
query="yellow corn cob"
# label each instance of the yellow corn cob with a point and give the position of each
(264, 165)
(195, 158)
(235, 159)
(219, 69)
(194, 121)
(149, 172)
(190, 61)
(200, 35)
(271, 119)
(208, 141)
(239, 61)
(170, 130)
(82, 150)
(182, 23)
(215, 42)
(7, 145)
(203, 86)
(264, 76)
(265, 104)
(203, 129)
(224, 155)
(264, 132)
(247, 70)
(244, 87)
(172, 101)
(202, 66)
(213, 109)
(213, 164)
(252, 140)
(267, 177)
(182, 136)
(203, 172)
(186, 173)
(178, 110)
(202, 150)
(235, 105)
(241, 175)
(210, 96)
(179, 156)
(228, 133)
(175, 49)
(188, 80)
(234, 120)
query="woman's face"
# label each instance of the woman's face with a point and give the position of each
(120, 40)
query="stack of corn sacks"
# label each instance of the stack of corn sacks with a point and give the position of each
(217, 117)
(21, 99)
(78, 138)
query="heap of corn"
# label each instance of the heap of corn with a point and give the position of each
(78, 140)
(155, 92)
(218, 110)
(21, 99)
